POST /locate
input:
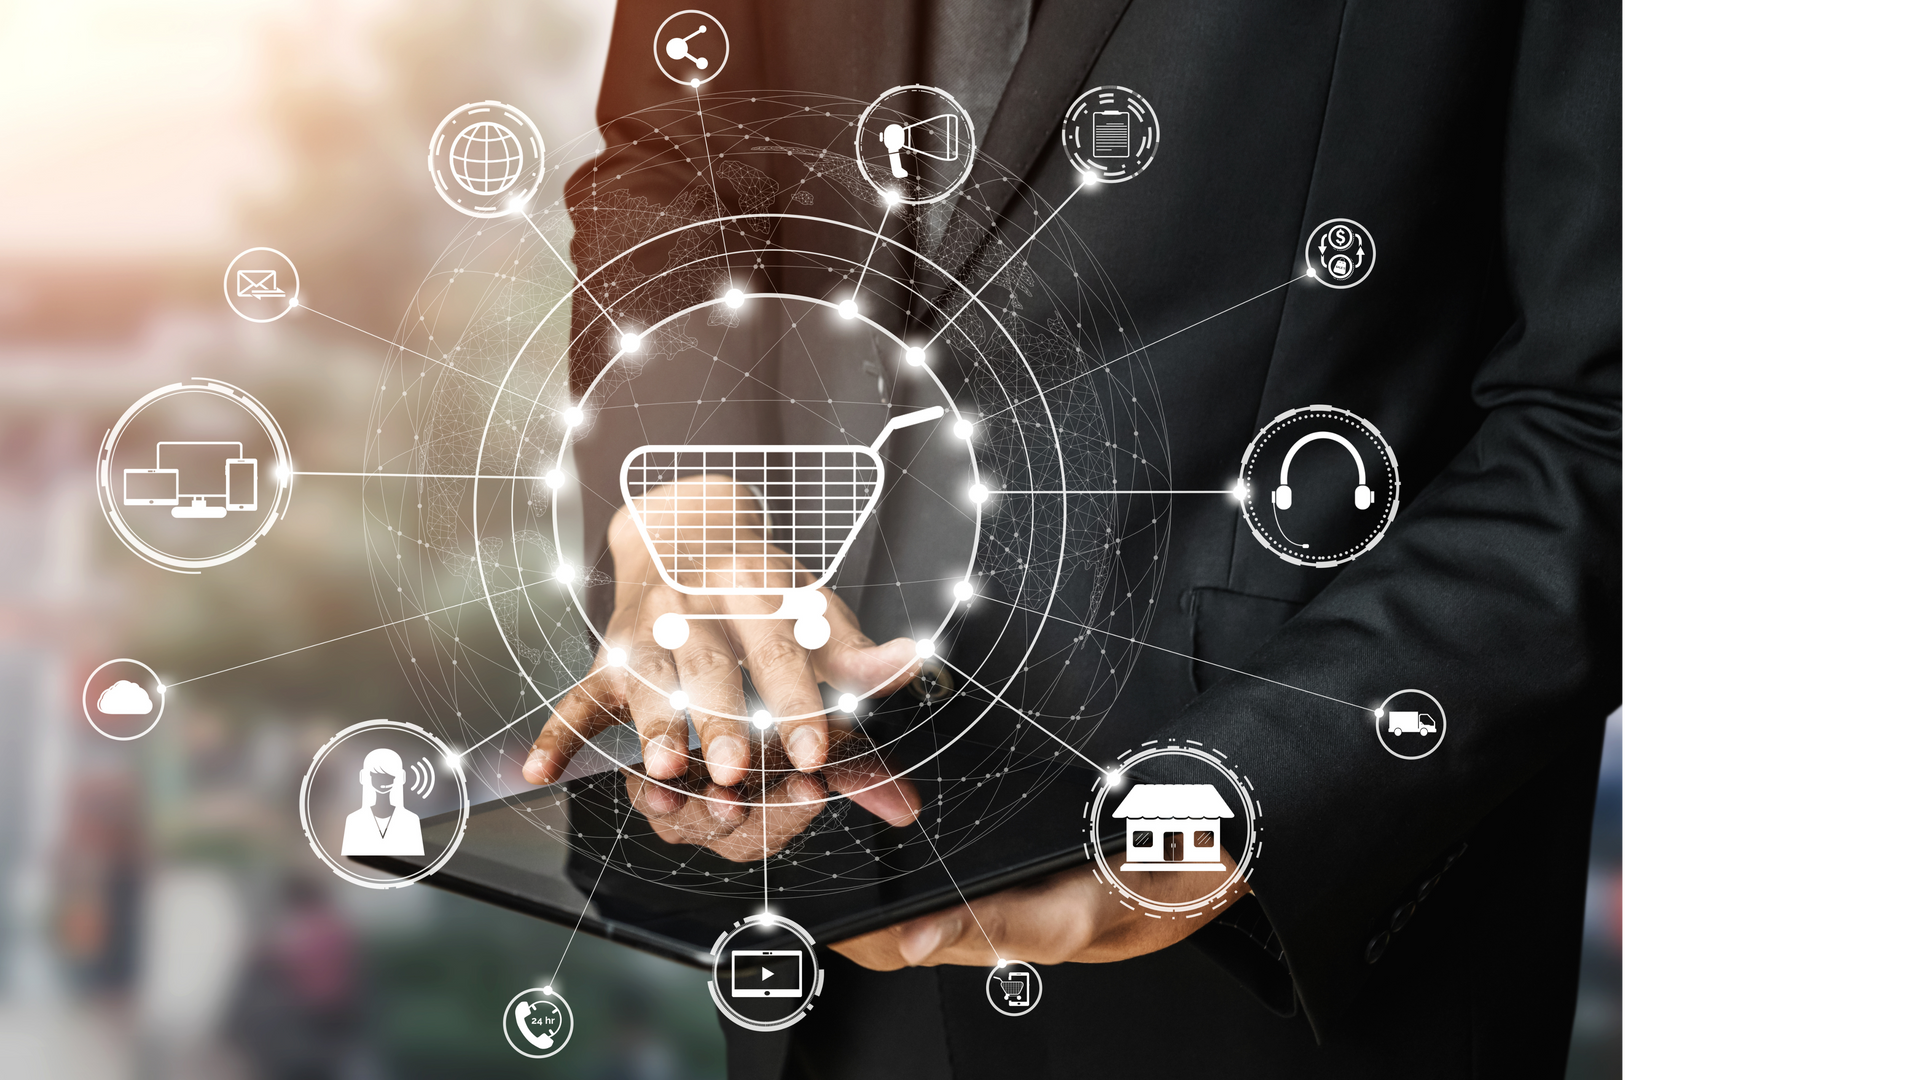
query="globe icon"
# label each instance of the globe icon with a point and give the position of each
(485, 158)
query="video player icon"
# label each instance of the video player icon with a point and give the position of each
(766, 973)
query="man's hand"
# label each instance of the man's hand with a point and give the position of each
(706, 802)
(1070, 917)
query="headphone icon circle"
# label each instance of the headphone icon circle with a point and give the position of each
(1363, 496)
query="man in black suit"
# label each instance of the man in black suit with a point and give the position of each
(1408, 919)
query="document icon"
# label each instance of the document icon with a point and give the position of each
(260, 284)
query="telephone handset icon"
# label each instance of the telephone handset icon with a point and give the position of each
(520, 1013)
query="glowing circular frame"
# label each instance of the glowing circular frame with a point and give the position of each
(88, 701)
(1114, 878)
(546, 993)
(966, 170)
(1114, 169)
(512, 199)
(293, 298)
(1380, 723)
(994, 976)
(282, 479)
(454, 764)
(1254, 504)
(800, 1010)
(726, 48)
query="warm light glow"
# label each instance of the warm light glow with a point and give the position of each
(979, 493)
(849, 309)
(617, 657)
(555, 479)
(679, 700)
(763, 719)
(963, 589)
(923, 647)
(916, 356)
(735, 298)
(563, 574)
(848, 703)
(573, 416)
(963, 428)
(629, 343)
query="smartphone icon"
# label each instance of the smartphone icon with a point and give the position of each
(243, 484)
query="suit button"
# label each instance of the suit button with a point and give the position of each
(1401, 915)
(1378, 947)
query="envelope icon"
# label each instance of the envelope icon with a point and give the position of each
(257, 283)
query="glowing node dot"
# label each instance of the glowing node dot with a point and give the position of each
(979, 493)
(453, 760)
(546, 989)
(679, 700)
(963, 429)
(281, 473)
(848, 703)
(916, 356)
(563, 574)
(848, 309)
(555, 479)
(617, 657)
(629, 343)
(1310, 272)
(735, 298)
(963, 589)
(763, 719)
(293, 301)
(1378, 713)
(573, 416)
(1113, 776)
(923, 648)
(1240, 491)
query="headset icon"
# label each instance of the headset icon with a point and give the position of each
(1363, 496)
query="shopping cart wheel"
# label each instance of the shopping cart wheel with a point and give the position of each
(670, 630)
(810, 631)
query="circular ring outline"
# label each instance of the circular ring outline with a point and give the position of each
(800, 1010)
(973, 298)
(1242, 869)
(1039, 987)
(1246, 478)
(459, 776)
(1091, 170)
(973, 147)
(283, 494)
(1380, 718)
(973, 461)
(86, 698)
(1368, 272)
(544, 991)
(293, 298)
(527, 192)
(726, 44)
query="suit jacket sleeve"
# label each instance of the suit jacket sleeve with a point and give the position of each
(1498, 589)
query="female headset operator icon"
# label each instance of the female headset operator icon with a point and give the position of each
(1283, 495)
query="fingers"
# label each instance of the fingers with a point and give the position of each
(594, 704)
(722, 820)
(851, 661)
(711, 677)
(783, 674)
(858, 772)
(1050, 922)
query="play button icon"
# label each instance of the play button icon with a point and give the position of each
(765, 974)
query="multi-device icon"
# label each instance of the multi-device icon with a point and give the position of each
(196, 479)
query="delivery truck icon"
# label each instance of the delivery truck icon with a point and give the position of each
(1410, 723)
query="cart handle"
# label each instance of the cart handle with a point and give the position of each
(934, 412)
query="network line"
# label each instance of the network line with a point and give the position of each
(1009, 261)
(437, 360)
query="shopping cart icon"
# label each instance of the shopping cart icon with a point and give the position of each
(813, 502)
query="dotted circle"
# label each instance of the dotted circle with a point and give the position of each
(1253, 507)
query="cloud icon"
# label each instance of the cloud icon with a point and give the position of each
(125, 698)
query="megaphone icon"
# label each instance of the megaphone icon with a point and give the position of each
(936, 138)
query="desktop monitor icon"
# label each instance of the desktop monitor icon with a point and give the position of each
(187, 475)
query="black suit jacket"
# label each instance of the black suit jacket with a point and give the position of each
(1429, 912)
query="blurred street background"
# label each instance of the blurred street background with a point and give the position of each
(160, 915)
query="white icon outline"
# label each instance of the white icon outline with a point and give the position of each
(726, 49)
(515, 195)
(1112, 116)
(1098, 814)
(840, 466)
(1384, 716)
(1278, 500)
(316, 837)
(234, 295)
(1366, 253)
(515, 1015)
(719, 954)
(110, 492)
(896, 145)
(1017, 972)
(89, 700)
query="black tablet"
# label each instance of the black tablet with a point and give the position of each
(576, 852)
